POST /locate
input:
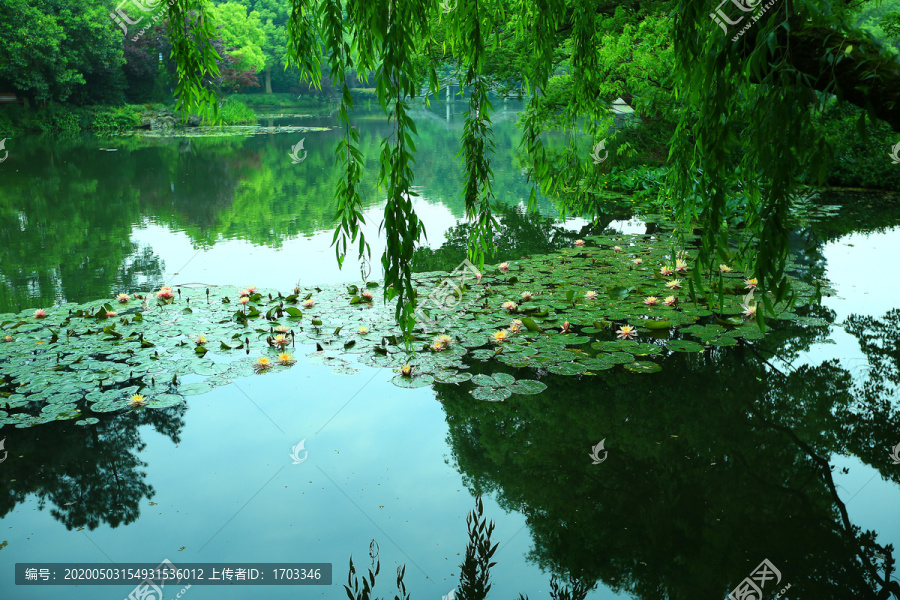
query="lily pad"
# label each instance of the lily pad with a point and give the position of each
(684, 346)
(643, 367)
(527, 387)
(567, 368)
(491, 394)
(416, 381)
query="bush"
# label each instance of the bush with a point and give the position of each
(234, 112)
(107, 119)
(858, 160)
(59, 119)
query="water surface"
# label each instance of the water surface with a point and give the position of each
(714, 464)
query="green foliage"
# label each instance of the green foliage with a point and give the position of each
(242, 34)
(858, 160)
(235, 112)
(52, 49)
(744, 145)
(116, 119)
(59, 118)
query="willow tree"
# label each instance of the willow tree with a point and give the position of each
(770, 66)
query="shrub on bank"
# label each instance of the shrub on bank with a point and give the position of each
(59, 119)
(234, 112)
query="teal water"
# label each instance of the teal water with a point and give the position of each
(712, 463)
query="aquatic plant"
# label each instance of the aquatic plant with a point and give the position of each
(286, 359)
(74, 359)
(626, 332)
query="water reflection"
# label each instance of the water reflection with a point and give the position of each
(713, 466)
(86, 475)
(70, 211)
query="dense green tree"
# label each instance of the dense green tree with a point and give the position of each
(242, 34)
(54, 49)
(274, 17)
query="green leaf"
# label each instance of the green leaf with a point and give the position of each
(527, 387)
(491, 394)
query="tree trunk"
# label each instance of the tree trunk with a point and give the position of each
(269, 80)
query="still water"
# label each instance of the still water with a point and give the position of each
(718, 462)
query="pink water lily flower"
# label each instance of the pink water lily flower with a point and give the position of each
(244, 300)
(675, 284)
(123, 298)
(201, 339)
(40, 314)
(309, 303)
(751, 283)
(579, 242)
(665, 271)
(281, 340)
(651, 300)
(638, 261)
(367, 295)
(566, 326)
(243, 293)
(617, 248)
(504, 267)
(111, 313)
(526, 296)
(590, 295)
(681, 266)
(670, 301)
(251, 288)
(509, 306)
(749, 311)
(165, 293)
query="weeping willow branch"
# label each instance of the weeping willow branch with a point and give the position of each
(191, 31)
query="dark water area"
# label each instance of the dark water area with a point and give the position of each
(777, 450)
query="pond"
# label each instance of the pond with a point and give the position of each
(754, 448)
